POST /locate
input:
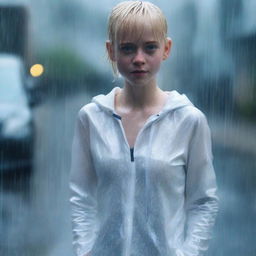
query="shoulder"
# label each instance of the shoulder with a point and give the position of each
(196, 122)
(192, 120)
(191, 114)
(87, 112)
(184, 109)
(88, 109)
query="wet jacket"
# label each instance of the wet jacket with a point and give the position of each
(156, 199)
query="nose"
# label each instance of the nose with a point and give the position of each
(139, 58)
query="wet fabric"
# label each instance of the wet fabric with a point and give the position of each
(156, 199)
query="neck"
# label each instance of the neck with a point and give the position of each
(140, 97)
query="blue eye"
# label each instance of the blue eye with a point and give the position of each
(127, 48)
(151, 47)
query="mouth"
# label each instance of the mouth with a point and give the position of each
(139, 72)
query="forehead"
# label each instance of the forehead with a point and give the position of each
(138, 29)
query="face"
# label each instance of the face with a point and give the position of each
(138, 57)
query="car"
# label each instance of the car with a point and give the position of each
(16, 119)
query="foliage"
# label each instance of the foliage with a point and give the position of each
(65, 71)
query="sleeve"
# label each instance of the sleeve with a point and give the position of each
(201, 201)
(82, 186)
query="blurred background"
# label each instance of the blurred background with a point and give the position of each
(212, 62)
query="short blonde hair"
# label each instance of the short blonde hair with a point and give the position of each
(129, 17)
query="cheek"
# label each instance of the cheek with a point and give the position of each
(122, 63)
(156, 63)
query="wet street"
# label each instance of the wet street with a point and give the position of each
(39, 224)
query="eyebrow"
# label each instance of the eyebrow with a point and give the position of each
(152, 42)
(122, 43)
(149, 42)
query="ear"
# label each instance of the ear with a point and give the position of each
(110, 50)
(167, 48)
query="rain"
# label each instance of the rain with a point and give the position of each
(212, 61)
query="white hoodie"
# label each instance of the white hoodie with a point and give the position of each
(157, 199)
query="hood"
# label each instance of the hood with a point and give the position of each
(174, 101)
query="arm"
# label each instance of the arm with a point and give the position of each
(82, 190)
(201, 202)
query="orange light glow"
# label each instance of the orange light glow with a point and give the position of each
(37, 70)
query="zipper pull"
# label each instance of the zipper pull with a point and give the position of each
(132, 154)
(117, 116)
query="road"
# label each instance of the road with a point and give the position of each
(40, 225)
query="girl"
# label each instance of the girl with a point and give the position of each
(142, 180)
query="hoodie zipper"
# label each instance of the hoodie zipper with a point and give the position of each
(149, 121)
(132, 154)
(130, 200)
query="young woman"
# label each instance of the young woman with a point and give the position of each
(142, 180)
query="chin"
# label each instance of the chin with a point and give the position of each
(136, 83)
(140, 82)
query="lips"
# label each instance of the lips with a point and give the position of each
(139, 71)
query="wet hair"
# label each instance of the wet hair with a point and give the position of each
(130, 17)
